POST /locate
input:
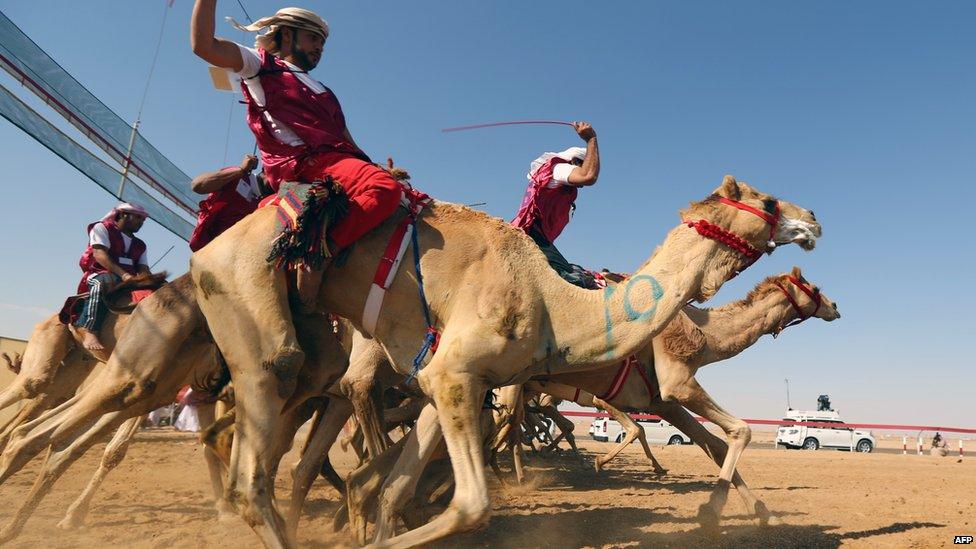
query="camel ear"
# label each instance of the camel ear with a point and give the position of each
(730, 188)
(796, 273)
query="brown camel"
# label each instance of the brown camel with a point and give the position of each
(695, 338)
(502, 312)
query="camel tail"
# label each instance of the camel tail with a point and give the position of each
(214, 383)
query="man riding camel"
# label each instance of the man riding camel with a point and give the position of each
(554, 182)
(114, 254)
(232, 194)
(298, 122)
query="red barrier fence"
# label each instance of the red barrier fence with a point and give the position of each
(786, 423)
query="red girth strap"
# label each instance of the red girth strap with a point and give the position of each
(618, 380)
(621, 377)
(801, 316)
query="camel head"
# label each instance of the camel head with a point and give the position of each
(805, 298)
(794, 225)
(828, 309)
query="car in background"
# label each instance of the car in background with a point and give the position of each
(841, 436)
(657, 431)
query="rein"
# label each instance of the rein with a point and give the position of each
(801, 316)
(733, 241)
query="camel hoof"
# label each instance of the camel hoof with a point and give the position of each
(598, 465)
(341, 518)
(660, 472)
(70, 523)
(765, 517)
(708, 519)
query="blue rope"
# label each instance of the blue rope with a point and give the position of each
(431, 336)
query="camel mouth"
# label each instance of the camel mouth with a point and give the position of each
(796, 231)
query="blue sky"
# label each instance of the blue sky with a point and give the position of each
(862, 111)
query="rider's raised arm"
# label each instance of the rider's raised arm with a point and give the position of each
(213, 50)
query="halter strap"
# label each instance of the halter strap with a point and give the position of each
(712, 231)
(801, 316)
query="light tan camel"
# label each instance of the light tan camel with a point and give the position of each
(503, 315)
(165, 346)
(695, 338)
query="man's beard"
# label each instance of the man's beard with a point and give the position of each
(303, 59)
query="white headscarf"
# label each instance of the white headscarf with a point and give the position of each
(568, 155)
(125, 207)
(285, 17)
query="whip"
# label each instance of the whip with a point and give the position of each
(496, 124)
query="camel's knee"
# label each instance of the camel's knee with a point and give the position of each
(740, 432)
(285, 366)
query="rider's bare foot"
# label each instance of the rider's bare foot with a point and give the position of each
(90, 341)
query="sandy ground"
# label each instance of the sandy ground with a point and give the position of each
(160, 497)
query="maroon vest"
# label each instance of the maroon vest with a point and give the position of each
(127, 259)
(547, 209)
(315, 118)
(219, 212)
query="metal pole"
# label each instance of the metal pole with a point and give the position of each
(162, 256)
(904, 446)
(788, 407)
(128, 157)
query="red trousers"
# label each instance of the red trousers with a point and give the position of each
(373, 193)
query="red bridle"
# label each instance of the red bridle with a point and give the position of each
(712, 231)
(814, 296)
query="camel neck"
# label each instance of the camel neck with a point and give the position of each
(733, 328)
(604, 326)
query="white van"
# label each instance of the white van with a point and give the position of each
(658, 431)
(812, 438)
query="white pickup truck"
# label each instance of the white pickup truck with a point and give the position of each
(658, 431)
(841, 437)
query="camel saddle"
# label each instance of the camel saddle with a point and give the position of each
(121, 299)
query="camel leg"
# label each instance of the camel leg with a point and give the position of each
(458, 398)
(633, 430)
(360, 385)
(114, 454)
(737, 433)
(364, 484)
(717, 449)
(401, 483)
(322, 437)
(57, 462)
(215, 467)
(566, 428)
(515, 443)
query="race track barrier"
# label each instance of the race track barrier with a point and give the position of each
(787, 423)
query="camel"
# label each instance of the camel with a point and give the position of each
(785, 308)
(55, 363)
(118, 393)
(502, 313)
(142, 374)
(695, 338)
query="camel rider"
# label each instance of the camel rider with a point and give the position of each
(232, 194)
(554, 181)
(114, 254)
(298, 122)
